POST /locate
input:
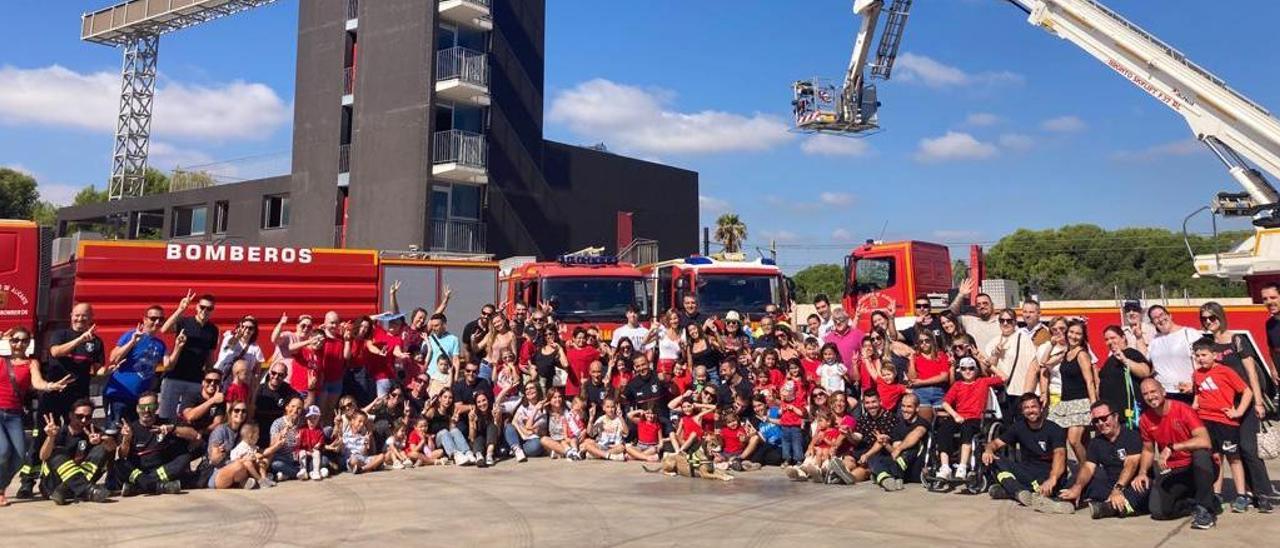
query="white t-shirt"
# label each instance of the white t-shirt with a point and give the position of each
(1170, 357)
(1055, 375)
(668, 348)
(825, 327)
(1019, 351)
(982, 331)
(636, 334)
(832, 375)
(229, 353)
(242, 450)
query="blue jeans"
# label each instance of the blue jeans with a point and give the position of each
(532, 448)
(383, 386)
(119, 411)
(792, 443)
(289, 468)
(13, 448)
(176, 394)
(452, 441)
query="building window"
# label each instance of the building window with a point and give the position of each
(275, 211)
(220, 210)
(189, 221)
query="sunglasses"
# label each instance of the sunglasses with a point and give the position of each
(17, 340)
(1102, 419)
(1207, 319)
(922, 305)
(148, 407)
(82, 416)
(875, 339)
(208, 307)
(1007, 321)
(278, 374)
(347, 406)
(469, 371)
(816, 396)
(154, 318)
(212, 381)
(237, 410)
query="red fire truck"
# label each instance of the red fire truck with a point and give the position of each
(888, 276)
(721, 283)
(122, 278)
(582, 289)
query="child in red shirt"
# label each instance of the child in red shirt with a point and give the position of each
(689, 428)
(238, 390)
(739, 444)
(1216, 387)
(792, 406)
(963, 406)
(648, 434)
(826, 440)
(810, 359)
(888, 388)
(311, 462)
(421, 445)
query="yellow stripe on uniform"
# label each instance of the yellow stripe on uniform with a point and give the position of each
(162, 474)
(133, 476)
(89, 468)
(1001, 476)
(902, 463)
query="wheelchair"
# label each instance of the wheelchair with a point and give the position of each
(979, 478)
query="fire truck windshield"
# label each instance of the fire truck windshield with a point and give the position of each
(595, 299)
(720, 293)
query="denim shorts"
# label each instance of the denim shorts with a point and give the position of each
(930, 395)
(332, 388)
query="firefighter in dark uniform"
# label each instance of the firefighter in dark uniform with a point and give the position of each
(75, 457)
(153, 457)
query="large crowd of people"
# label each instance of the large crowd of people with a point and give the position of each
(1149, 427)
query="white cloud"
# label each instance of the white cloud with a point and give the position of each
(640, 120)
(841, 235)
(838, 199)
(60, 97)
(981, 119)
(59, 194)
(167, 156)
(1016, 141)
(924, 70)
(831, 145)
(19, 168)
(1184, 147)
(953, 146)
(1063, 124)
(782, 236)
(713, 206)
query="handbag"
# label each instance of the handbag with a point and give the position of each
(561, 378)
(1268, 441)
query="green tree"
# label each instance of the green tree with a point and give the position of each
(959, 271)
(730, 231)
(89, 195)
(819, 278)
(1089, 262)
(45, 213)
(18, 194)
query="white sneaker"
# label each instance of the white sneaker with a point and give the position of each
(459, 459)
(619, 457)
(324, 472)
(944, 473)
(397, 466)
(251, 483)
(316, 476)
(302, 474)
(519, 453)
(962, 473)
(279, 476)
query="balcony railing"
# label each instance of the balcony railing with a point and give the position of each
(348, 80)
(344, 158)
(457, 236)
(460, 147)
(459, 63)
(353, 8)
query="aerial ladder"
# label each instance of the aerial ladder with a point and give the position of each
(1242, 134)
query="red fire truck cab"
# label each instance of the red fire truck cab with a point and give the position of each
(19, 273)
(594, 290)
(721, 283)
(880, 276)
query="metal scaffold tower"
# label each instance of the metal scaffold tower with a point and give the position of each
(136, 26)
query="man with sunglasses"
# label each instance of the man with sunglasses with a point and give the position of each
(153, 456)
(1011, 352)
(271, 400)
(982, 323)
(926, 321)
(1106, 476)
(199, 340)
(1042, 470)
(474, 332)
(75, 457)
(138, 355)
(211, 411)
(466, 388)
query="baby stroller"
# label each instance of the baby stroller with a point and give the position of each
(978, 478)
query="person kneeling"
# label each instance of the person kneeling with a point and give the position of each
(153, 457)
(1042, 470)
(74, 457)
(1111, 464)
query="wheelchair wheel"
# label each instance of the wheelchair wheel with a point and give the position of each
(979, 482)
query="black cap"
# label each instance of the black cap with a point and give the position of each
(1132, 306)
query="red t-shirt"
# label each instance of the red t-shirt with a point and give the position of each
(777, 378)
(380, 367)
(579, 365)
(810, 368)
(969, 399)
(648, 432)
(827, 438)
(1175, 426)
(414, 439)
(304, 360)
(890, 394)
(310, 438)
(11, 400)
(789, 416)
(709, 422)
(928, 368)
(689, 426)
(682, 382)
(620, 378)
(1216, 391)
(237, 392)
(332, 365)
(733, 439)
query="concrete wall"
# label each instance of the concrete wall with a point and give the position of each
(317, 121)
(389, 172)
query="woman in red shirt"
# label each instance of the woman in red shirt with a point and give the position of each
(19, 374)
(929, 373)
(580, 355)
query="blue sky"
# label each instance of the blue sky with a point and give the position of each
(1025, 130)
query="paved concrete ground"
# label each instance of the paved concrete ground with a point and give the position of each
(558, 503)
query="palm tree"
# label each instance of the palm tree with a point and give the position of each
(731, 231)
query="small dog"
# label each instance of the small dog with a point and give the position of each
(696, 464)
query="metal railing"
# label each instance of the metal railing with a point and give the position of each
(640, 251)
(460, 147)
(459, 63)
(344, 158)
(348, 80)
(457, 236)
(353, 9)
